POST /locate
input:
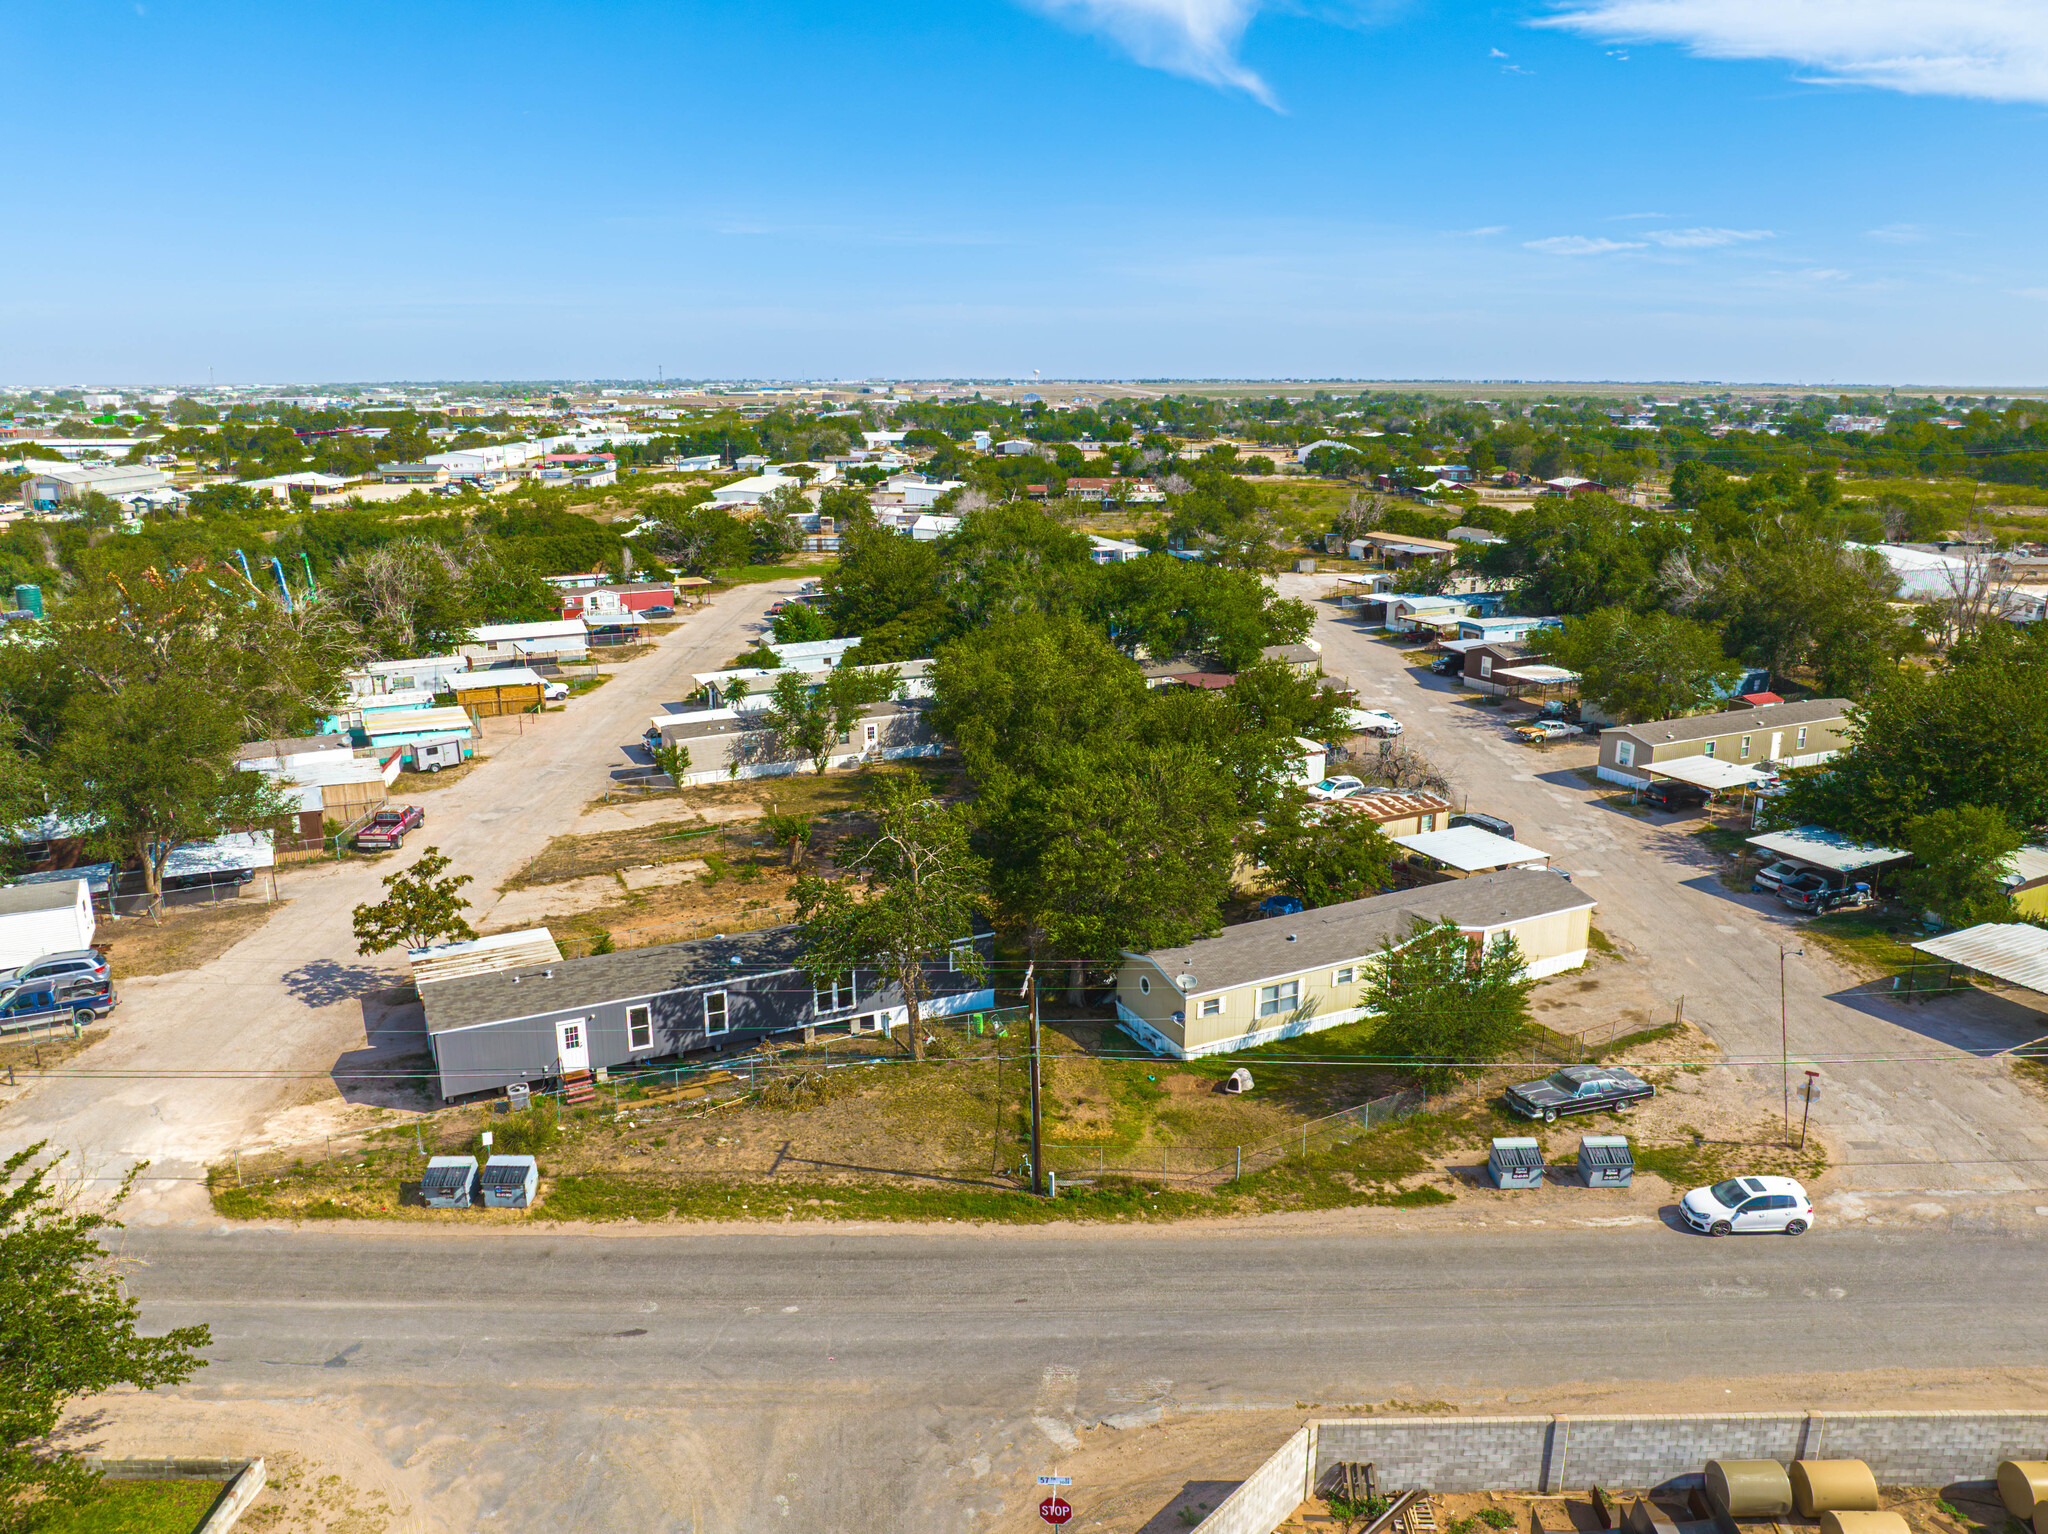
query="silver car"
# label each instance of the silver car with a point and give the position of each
(66, 965)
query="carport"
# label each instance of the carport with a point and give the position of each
(1707, 772)
(1542, 678)
(1828, 851)
(2010, 951)
(1467, 850)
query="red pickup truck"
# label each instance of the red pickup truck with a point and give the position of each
(387, 828)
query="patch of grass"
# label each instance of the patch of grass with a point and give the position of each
(1628, 1041)
(1707, 1161)
(136, 1507)
(1600, 942)
(186, 938)
(1876, 940)
(1723, 840)
(44, 1054)
(1109, 1198)
(752, 575)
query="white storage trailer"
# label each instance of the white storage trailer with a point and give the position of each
(41, 918)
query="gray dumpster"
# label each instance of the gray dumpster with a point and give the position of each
(1605, 1161)
(508, 1182)
(1515, 1163)
(448, 1182)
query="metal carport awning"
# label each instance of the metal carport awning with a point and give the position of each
(1825, 849)
(1706, 772)
(1533, 674)
(2008, 951)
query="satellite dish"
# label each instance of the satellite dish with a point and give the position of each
(1185, 982)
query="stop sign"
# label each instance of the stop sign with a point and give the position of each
(1055, 1509)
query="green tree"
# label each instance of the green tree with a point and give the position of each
(1640, 665)
(696, 539)
(153, 767)
(1960, 860)
(66, 1330)
(673, 760)
(1444, 1006)
(1322, 853)
(920, 886)
(813, 717)
(776, 530)
(1795, 601)
(881, 578)
(420, 908)
(1972, 732)
(789, 829)
(800, 623)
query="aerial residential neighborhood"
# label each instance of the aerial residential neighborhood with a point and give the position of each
(1138, 765)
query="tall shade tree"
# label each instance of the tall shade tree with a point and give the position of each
(1322, 853)
(66, 1330)
(813, 717)
(1961, 859)
(422, 905)
(1444, 1006)
(1640, 665)
(917, 886)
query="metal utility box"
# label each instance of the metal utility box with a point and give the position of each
(519, 1095)
(1515, 1163)
(1605, 1161)
(509, 1182)
(449, 1182)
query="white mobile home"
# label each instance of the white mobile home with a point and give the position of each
(41, 918)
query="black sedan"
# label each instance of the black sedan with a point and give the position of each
(1578, 1089)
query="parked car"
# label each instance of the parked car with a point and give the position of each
(657, 611)
(1543, 730)
(1578, 1089)
(1803, 883)
(1280, 905)
(1448, 665)
(1771, 875)
(1372, 721)
(66, 964)
(1670, 794)
(1491, 823)
(1566, 709)
(80, 999)
(555, 692)
(1743, 1204)
(1336, 788)
(388, 826)
(1821, 899)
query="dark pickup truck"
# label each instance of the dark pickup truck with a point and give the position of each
(41, 1003)
(1578, 1089)
(387, 827)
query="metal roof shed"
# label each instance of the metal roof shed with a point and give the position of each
(1535, 675)
(1470, 850)
(2010, 951)
(509, 1182)
(1826, 849)
(449, 1182)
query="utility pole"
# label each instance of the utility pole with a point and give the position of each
(1037, 1140)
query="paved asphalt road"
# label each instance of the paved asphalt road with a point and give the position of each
(1941, 1121)
(543, 1382)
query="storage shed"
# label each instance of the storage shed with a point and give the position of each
(44, 917)
(1605, 1161)
(509, 1182)
(1515, 1162)
(449, 1182)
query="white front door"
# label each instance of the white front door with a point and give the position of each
(1777, 744)
(572, 1044)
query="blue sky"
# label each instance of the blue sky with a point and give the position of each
(1790, 190)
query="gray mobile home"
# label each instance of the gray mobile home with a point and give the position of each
(540, 1021)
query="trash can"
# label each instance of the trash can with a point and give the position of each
(1515, 1163)
(449, 1182)
(508, 1182)
(1605, 1161)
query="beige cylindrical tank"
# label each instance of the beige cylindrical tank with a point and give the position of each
(1750, 1488)
(2023, 1486)
(1849, 1522)
(1834, 1486)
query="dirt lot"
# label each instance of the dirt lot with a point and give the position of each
(187, 937)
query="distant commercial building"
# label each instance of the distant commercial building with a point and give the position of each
(49, 489)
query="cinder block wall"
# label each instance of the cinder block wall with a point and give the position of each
(1552, 1454)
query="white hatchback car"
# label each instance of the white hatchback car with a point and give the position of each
(1743, 1204)
(1335, 788)
(1372, 721)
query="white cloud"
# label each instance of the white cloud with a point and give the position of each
(1495, 53)
(1897, 234)
(1475, 234)
(1996, 50)
(1703, 239)
(1579, 245)
(1622, 218)
(1197, 39)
